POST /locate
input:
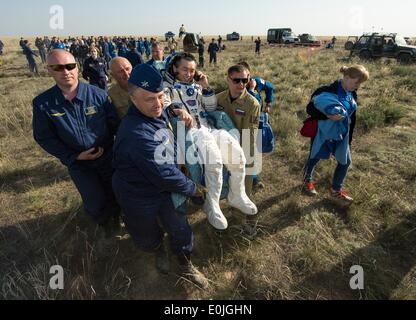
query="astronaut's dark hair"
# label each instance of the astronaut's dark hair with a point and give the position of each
(178, 58)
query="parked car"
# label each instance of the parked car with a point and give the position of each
(309, 40)
(378, 45)
(235, 36)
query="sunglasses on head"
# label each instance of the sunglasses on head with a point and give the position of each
(238, 80)
(62, 67)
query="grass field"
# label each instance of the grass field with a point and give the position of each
(304, 248)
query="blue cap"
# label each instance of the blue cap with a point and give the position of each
(147, 77)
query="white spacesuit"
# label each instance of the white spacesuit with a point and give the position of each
(215, 149)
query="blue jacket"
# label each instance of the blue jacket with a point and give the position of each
(122, 51)
(140, 46)
(95, 70)
(138, 175)
(112, 50)
(213, 48)
(29, 53)
(338, 132)
(105, 49)
(134, 57)
(267, 87)
(332, 88)
(65, 129)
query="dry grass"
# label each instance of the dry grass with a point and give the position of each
(305, 247)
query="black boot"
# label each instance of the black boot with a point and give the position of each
(112, 227)
(162, 260)
(190, 272)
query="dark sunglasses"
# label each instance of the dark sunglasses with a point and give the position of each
(62, 67)
(238, 81)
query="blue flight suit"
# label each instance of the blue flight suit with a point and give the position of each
(140, 47)
(95, 71)
(267, 87)
(30, 54)
(65, 129)
(146, 45)
(122, 51)
(106, 51)
(143, 187)
(213, 48)
(112, 50)
(134, 57)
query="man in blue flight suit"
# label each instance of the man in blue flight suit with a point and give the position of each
(147, 45)
(105, 49)
(140, 46)
(76, 123)
(134, 56)
(143, 182)
(30, 56)
(213, 48)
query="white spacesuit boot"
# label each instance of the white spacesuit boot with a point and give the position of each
(235, 161)
(213, 180)
(237, 196)
(211, 158)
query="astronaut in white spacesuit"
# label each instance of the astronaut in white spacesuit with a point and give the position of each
(186, 88)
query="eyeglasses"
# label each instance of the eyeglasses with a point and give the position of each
(62, 67)
(238, 80)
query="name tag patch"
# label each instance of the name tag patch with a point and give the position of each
(91, 110)
(191, 103)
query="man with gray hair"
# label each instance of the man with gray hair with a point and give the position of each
(120, 69)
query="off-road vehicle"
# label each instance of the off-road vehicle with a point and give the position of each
(381, 45)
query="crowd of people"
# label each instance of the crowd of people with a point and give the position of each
(136, 49)
(111, 141)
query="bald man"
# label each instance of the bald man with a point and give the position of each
(76, 123)
(120, 69)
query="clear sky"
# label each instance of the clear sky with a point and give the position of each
(209, 17)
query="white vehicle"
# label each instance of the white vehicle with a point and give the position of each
(289, 37)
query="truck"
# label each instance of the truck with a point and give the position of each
(381, 45)
(282, 36)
